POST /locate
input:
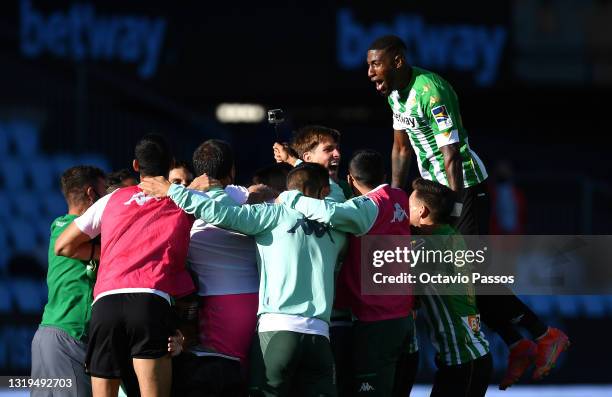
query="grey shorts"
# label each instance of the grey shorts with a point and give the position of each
(57, 355)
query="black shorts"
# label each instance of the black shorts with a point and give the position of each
(124, 326)
(474, 218)
(211, 376)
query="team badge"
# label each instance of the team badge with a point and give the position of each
(474, 323)
(442, 117)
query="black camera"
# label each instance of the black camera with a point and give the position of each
(276, 116)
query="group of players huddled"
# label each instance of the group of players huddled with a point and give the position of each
(199, 287)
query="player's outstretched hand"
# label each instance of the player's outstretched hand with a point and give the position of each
(156, 186)
(204, 183)
(175, 343)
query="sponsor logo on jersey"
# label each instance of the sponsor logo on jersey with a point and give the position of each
(442, 118)
(408, 121)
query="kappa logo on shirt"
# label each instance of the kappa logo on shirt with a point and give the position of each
(365, 386)
(309, 227)
(139, 198)
(398, 214)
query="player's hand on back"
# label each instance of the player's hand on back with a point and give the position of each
(156, 186)
(175, 343)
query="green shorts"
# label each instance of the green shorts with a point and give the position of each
(377, 347)
(286, 363)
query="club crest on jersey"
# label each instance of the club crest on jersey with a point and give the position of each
(442, 118)
(474, 323)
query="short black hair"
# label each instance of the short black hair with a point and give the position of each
(389, 43)
(367, 167)
(153, 155)
(76, 180)
(214, 158)
(308, 178)
(115, 179)
(182, 164)
(438, 199)
(273, 176)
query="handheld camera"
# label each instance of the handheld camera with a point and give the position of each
(276, 117)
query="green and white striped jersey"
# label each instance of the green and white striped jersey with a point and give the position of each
(428, 110)
(453, 321)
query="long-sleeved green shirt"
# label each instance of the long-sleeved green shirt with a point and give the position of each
(296, 256)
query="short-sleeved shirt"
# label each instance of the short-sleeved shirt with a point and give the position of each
(70, 288)
(428, 110)
(144, 244)
(453, 321)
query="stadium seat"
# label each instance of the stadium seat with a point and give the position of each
(6, 210)
(95, 160)
(5, 297)
(594, 306)
(4, 140)
(541, 305)
(569, 305)
(13, 173)
(23, 235)
(40, 170)
(25, 136)
(27, 205)
(61, 162)
(53, 205)
(4, 250)
(29, 296)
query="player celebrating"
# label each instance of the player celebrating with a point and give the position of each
(427, 122)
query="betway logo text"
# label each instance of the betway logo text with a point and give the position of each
(80, 34)
(475, 48)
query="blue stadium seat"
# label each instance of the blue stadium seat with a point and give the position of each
(4, 139)
(29, 296)
(6, 209)
(25, 136)
(23, 235)
(42, 175)
(96, 160)
(27, 205)
(13, 173)
(594, 306)
(541, 305)
(5, 297)
(54, 205)
(4, 250)
(569, 305)
(61, 162)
